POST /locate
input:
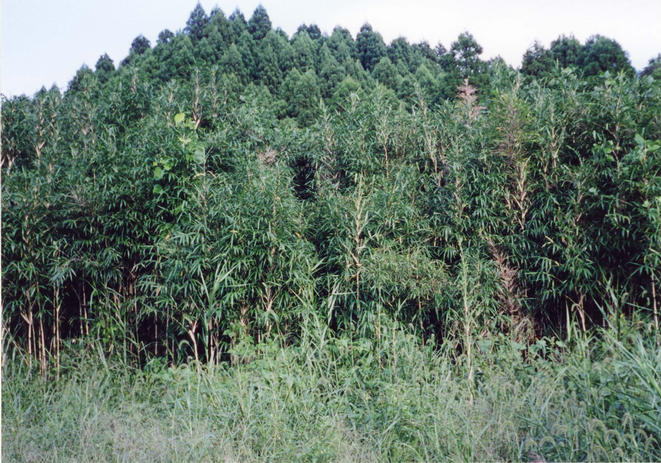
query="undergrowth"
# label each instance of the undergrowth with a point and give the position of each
(344, 398)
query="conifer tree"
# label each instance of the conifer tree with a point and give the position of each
(164, 37)
(370, 47)
(537, 61)
(386, 73)
(342, 45)
(304, 52)
(232, 62)
(104, 68)
(259, 23)
(330, 73)
(238, 25)
(466, 52)
(566, 50)
(196, 23)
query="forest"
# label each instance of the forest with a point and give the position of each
(236, 245)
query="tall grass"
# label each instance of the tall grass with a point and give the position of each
(336, 398)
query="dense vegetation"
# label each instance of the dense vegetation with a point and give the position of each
(339, 219)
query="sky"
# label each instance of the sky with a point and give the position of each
(44, 42)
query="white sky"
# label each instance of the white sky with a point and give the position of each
(46, 41)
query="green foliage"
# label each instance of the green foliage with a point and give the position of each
(196, 23)
(600, 54)
(241, 246)
(566, 51)
(259, 23)
(370, 47)
(337, 398)
(386, 73)
(232, 183)
(301, 92)
(653, 68)
(466, 52)
(104, 68)
(537, 61)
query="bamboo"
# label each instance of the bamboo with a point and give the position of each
(58, 306)
(654, 308)
(42, 348)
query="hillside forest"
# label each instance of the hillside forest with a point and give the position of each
(396, 252)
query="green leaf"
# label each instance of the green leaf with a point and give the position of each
(639, 139)
(158, 189)
(179, 118)
(198, 155)
(484, 345)
(158, 173)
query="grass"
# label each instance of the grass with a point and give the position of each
(332, 398)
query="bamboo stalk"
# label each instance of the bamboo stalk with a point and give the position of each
(55, 340)
(654, 307)
(42, 348)
(468, 341)
(191, 334)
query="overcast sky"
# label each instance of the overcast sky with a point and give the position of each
(46, 41)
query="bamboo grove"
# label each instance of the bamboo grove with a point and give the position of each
(232, 184)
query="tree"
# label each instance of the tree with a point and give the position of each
(425, 52)
(466, 52)
(565, 50)
(653, 68)
(232, 62)
(83, 80)
(183, 57)
(247, 48)
(18, 132)
(140, 45)
(204, 52)
(301, 92)
(164, 37)
(268, 63)
(330, 73)
(304, 51)
(406, 89)
(104, 68)
(400, 51)
(600, 54)
(238, 25)
(386, 73)
(426, 80)
(219, 24)
(537, 61)
(370, 47)
(259, 23)
(342, 45)
(196, 23)
(344, 90)
(314, 32)
(215, 40)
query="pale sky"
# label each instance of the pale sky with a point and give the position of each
(46, 41)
